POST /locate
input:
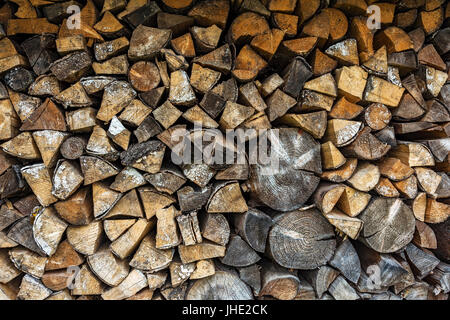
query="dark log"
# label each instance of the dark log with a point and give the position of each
(253, 226)
(346, 260)
(39, 52)
(321, 279)
(388, 225)
(239, 253)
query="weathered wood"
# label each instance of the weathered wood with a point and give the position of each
(397, 229)
(221, 286)
(310, 225)
(278, 282)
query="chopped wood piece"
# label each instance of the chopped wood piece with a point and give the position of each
(266, 44)
(227, 198)
(28, 261)
(18, 78)
(343, 109)
(127, 206)
(436, 212)
(313, 123)
(395, 40)
(200, 251)
(48, 229)
(220, 286)
(212, 12)
(133, 283)
(153, 201)
(74, 96)
(86, 284)
(234, 114)
(144, 76)
(327, 195)
(366, 146)
(278, 282)
(298, 47)
(308, 253)
(377, 116)
(246, 26)
(181, 92)
(146, 42)
(109, 49)
(149, 258)
(332, 158)
(424, 236)
(10, 122)
(129, 241)
(72, 148)
(95, 169)
(109, 26)
(184, 45)
(407, 187)
(345, 52)
(71, 67)
(381, 91)
(253, 226)
(351, 82)
(286, 22)
(248, 64)
(386, 189)
(107, 267)
(114, 66)
(342, 132)
(352, 201)
(117, 95)
(278, 104)
(305, 9)
(46, 117)
(21, 232)
(76, 210)
(394, 232)
(32, 289)
(135, 113)
(190, 230)
(39, 179)
(67, 178)
(346, 260)
(239, 253)
(321, 279)
(413, 154)
(348, 225)
(203, 269)
(115, 228)
(324, 84)
(9, 271)
(71, 44)
(85, 239)
(30, 26)
(295, 75)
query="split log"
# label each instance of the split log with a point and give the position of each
(346, 260)
(149, 258)
(309, 225)
(397, 229)
(221, 286)
(278, 282)
(239, 253)
(321, 279)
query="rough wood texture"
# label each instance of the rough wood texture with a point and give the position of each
(224, 149)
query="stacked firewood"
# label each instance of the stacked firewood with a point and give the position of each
(95, 206)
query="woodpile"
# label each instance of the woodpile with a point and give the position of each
(97, 200)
